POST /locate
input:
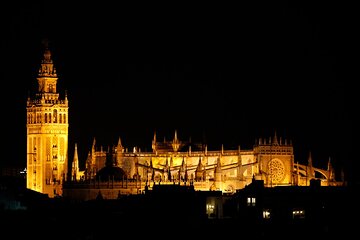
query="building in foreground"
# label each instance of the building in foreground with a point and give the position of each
(319, 211)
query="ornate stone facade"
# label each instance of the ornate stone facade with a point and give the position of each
(47, 133)
(169, 162)
(185, 163)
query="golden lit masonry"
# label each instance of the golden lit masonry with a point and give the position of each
(47, 133)
(118, 171)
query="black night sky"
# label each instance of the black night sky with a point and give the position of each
(220, 74)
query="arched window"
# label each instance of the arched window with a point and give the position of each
(45, 117)
(55, 116)
(64, 118)
(60, 118)
(49, 117)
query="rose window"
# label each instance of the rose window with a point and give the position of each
(276, 170)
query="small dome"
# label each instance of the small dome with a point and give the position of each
(111, 173)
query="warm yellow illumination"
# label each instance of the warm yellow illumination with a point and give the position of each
(210, 209)
(47, 133)
(298, 214)
(173, 161)
(251, 201)
(266, 214)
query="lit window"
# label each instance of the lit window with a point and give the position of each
(251, 201)
(266, 214)
(210, 208)
(55, 115)
(298, 213)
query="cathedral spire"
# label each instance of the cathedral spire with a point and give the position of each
(275, 140)
(218, 174)
(310, 170)
(329, 164)
(175, 143)
(199, 167)
(93, 144)
(331, 173)
(310, 163)
(182, 170)
(153, 144)
(119, 145)
(75, 166)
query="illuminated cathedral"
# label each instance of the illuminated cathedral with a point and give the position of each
(47, 132)
(115, 171)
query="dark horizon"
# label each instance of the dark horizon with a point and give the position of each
(224, 78)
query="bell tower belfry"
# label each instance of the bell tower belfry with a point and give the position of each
(47, 132)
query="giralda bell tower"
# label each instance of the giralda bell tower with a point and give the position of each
(47, 132)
